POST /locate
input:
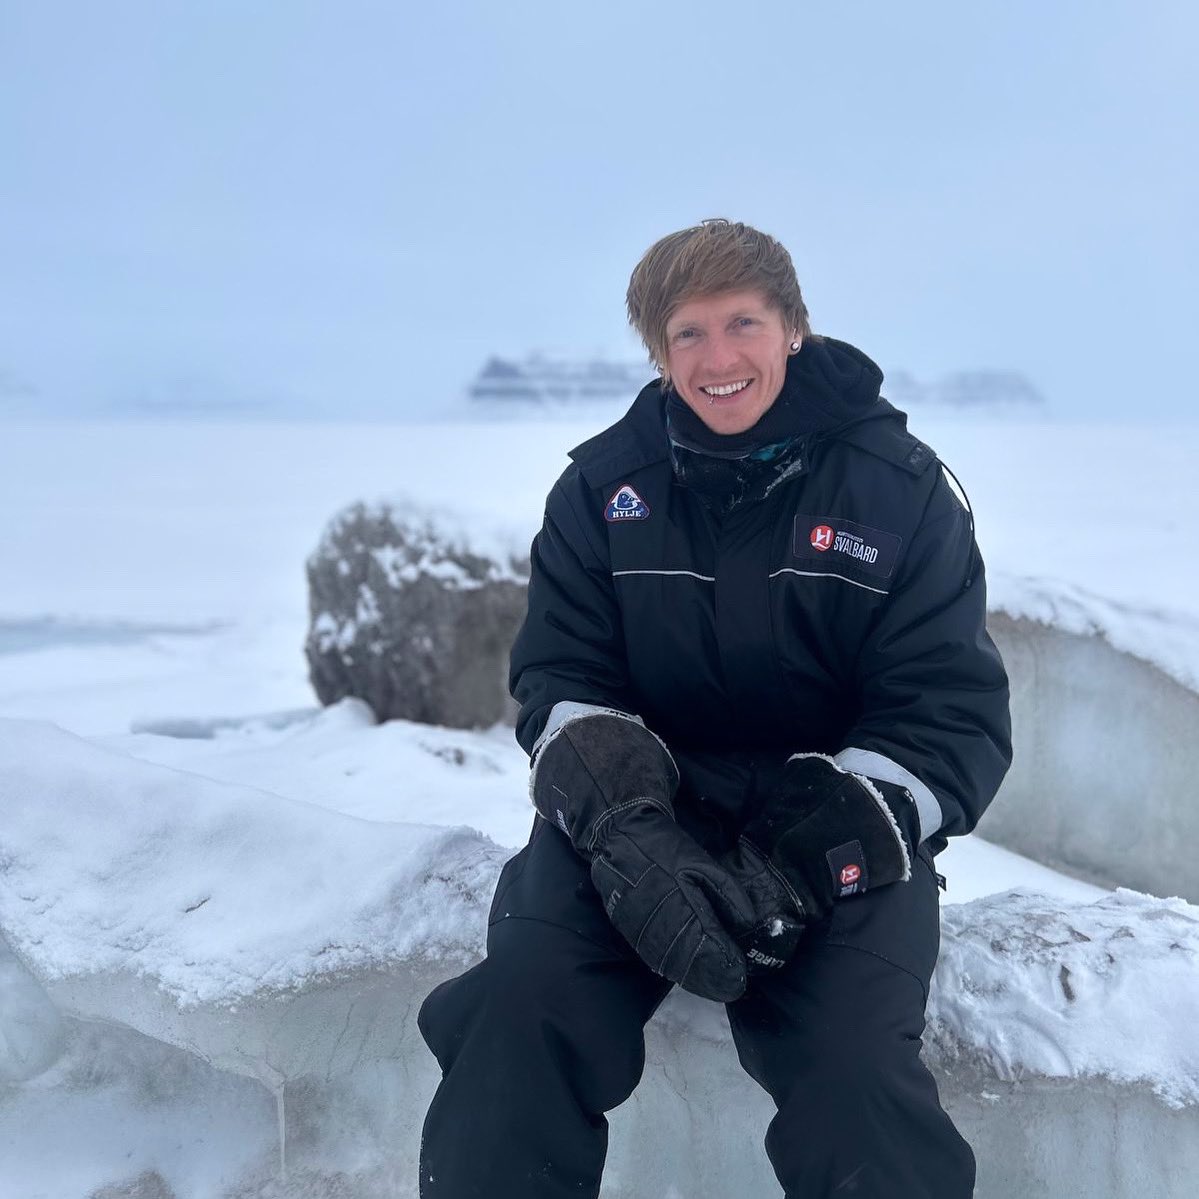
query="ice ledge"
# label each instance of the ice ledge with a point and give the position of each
(1165, 638)
(351, 1077)
(1107, 753)
(139, 893)
(1051, 1022)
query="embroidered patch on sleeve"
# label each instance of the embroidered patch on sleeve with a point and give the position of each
(830, 540)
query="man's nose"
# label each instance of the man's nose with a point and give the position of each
(719, 355)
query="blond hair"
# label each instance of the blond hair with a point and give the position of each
(714, 256)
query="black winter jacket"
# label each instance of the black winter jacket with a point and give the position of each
(841, 613)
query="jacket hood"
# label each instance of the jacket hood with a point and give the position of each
(834, 379)
(841, 384)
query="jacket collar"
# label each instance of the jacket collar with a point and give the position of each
(843, 379)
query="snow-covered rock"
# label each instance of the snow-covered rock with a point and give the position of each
(414, 610)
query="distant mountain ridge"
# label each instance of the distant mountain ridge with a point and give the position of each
(514, 387)
(972, 390)
(538, 379)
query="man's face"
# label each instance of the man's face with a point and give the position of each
(727, 357)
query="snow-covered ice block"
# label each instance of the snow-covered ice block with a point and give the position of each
(291, 945)
(1101, 990)
(244, 927)
(1106, 749)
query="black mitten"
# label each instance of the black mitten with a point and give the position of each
(777, 926)
(607, 782)
(826, 834)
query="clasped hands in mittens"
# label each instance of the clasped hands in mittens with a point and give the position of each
(705, 923)
(608, 782)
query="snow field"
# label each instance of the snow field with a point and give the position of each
(222, 906)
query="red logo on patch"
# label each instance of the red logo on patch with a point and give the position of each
(822, 538)
(850, 875)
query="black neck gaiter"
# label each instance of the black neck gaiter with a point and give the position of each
(828, 385)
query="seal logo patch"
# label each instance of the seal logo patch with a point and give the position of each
(626, 504)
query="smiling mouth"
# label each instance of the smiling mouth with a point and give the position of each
(724, 390)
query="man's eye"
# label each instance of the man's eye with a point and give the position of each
(684, 335)
(745, 321)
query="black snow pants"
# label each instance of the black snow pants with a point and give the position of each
(545, 1035)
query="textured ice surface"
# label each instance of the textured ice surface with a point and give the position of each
(31, 1029)
(1108, 989)
(1107, 753)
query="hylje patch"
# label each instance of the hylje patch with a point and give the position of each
(625, 504)
(835, 543)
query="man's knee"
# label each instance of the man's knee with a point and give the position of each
(547, 1000)
(846, 1077)
(534, 973)
(518, 978)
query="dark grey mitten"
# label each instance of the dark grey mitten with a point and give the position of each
(608, 782)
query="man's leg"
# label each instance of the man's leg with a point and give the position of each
(537, 1041)
(834, 1037)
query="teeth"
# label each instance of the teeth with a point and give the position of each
(727, 390)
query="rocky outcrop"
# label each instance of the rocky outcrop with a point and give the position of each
(414, 611)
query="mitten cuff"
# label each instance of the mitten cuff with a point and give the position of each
(568, 712)
(881, 769)
(595, 763)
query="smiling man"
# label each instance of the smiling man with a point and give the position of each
(758, 695)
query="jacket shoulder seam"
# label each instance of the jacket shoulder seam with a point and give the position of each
(909, 454)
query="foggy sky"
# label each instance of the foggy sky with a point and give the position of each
(351, 205)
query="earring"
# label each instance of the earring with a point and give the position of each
(795, 347)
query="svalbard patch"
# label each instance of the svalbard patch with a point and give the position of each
(836, 542)
(626, 504)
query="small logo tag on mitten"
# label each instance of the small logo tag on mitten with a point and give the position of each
(848, 866)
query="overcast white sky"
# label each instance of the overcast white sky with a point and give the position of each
(351, 203)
